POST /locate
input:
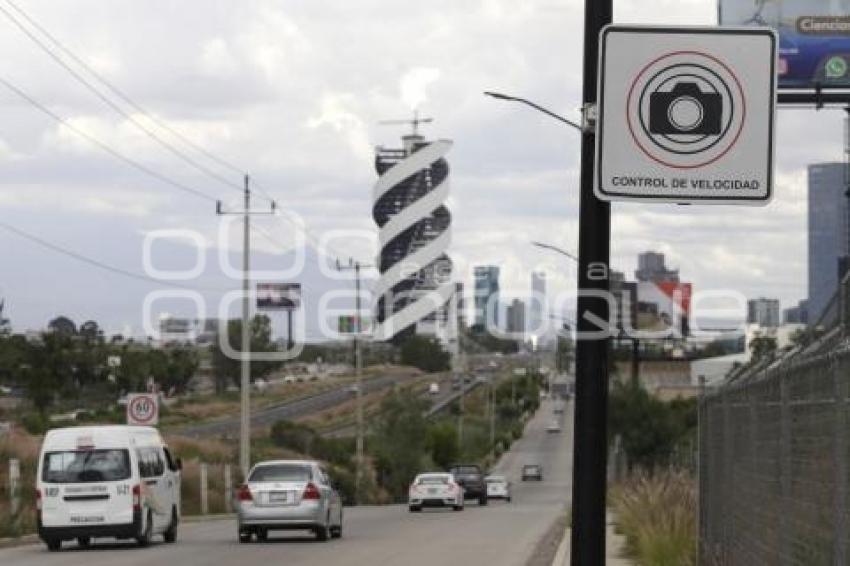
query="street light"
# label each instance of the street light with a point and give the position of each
(500, 96)
(556, 249)
(592, 357)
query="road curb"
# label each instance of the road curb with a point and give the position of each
(563, 550)
(18, 541)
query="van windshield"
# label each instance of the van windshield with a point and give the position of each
(86, 466)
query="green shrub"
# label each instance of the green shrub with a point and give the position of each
(658, 515)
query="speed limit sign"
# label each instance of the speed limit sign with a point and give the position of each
(142, 409)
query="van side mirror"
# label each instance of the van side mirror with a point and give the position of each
(179, 464)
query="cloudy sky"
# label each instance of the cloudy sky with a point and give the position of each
(292, 91)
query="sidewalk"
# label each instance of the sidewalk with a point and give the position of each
(615, 551)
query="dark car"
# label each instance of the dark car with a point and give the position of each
(471, 479)
(532, 472)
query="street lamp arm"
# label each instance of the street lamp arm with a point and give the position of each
(500, 96)
(555, 249)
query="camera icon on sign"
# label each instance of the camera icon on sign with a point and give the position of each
(685, 109)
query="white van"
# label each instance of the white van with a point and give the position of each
(106, 481)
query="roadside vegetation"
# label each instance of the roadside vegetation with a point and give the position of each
(655, 502)
(657, 513)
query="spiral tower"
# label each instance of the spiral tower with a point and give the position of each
(409, 209)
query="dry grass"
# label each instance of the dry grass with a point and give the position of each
(658, 515)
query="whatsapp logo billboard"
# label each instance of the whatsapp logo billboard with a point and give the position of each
(814, 37)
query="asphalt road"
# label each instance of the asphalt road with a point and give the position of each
(499, 534)
(293, 409)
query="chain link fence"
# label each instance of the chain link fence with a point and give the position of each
(773, 465)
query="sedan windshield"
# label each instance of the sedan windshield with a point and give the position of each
(433, 480)
(281, 472)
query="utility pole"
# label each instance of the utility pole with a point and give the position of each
(358, 373)
(457, 370)
(493, 416)
(245, 353)
(592, 356)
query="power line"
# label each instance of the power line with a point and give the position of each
(118, 155)
(96, 263)
(120, 94)
(106, 100)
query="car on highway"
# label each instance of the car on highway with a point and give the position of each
(288, 495)
(434, 388)
(471, 479)
(498, 487)
(434, 490)
(553, 426)
(106, 481)
(354, 389)
(532, 472)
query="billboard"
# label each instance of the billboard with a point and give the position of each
(663, 305)
(348, 324)
(814, 37)
(278, 296)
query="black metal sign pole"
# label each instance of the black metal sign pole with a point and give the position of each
(591, 410)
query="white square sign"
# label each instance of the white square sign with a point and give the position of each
(686, 115)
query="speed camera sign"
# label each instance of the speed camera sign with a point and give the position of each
(142, 409)
(686, 115)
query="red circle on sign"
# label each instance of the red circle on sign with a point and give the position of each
(150, 399)
(660, 160)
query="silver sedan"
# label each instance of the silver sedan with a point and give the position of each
(288, 495)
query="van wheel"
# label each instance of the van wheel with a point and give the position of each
(170, 535)
(53, 544)
(144, 539)
(84, 541)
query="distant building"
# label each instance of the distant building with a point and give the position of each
(413, 220)
(829, 240)
(461, 305)
(516, 317)
(626, 298)
(764, 312)
(537, 323)
(798, 314)
(486, 291)
(188, 330)
(651, 267)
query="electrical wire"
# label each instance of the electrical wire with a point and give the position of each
(120, 94)
(97, 263)
(106, 100)
(118, 155)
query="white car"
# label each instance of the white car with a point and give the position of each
(553, 426)
(106, 481)
(434, 388)
(435, 490)
(498, 487)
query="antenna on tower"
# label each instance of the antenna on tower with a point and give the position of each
(414, 122)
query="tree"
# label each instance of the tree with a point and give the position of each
(650, 429)
(425, 353)
(762, 347)
(226, 369)
(91, 332)
(442, 444)
(400, 442)
(564, 353)
(62, 325)
(49, 369)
